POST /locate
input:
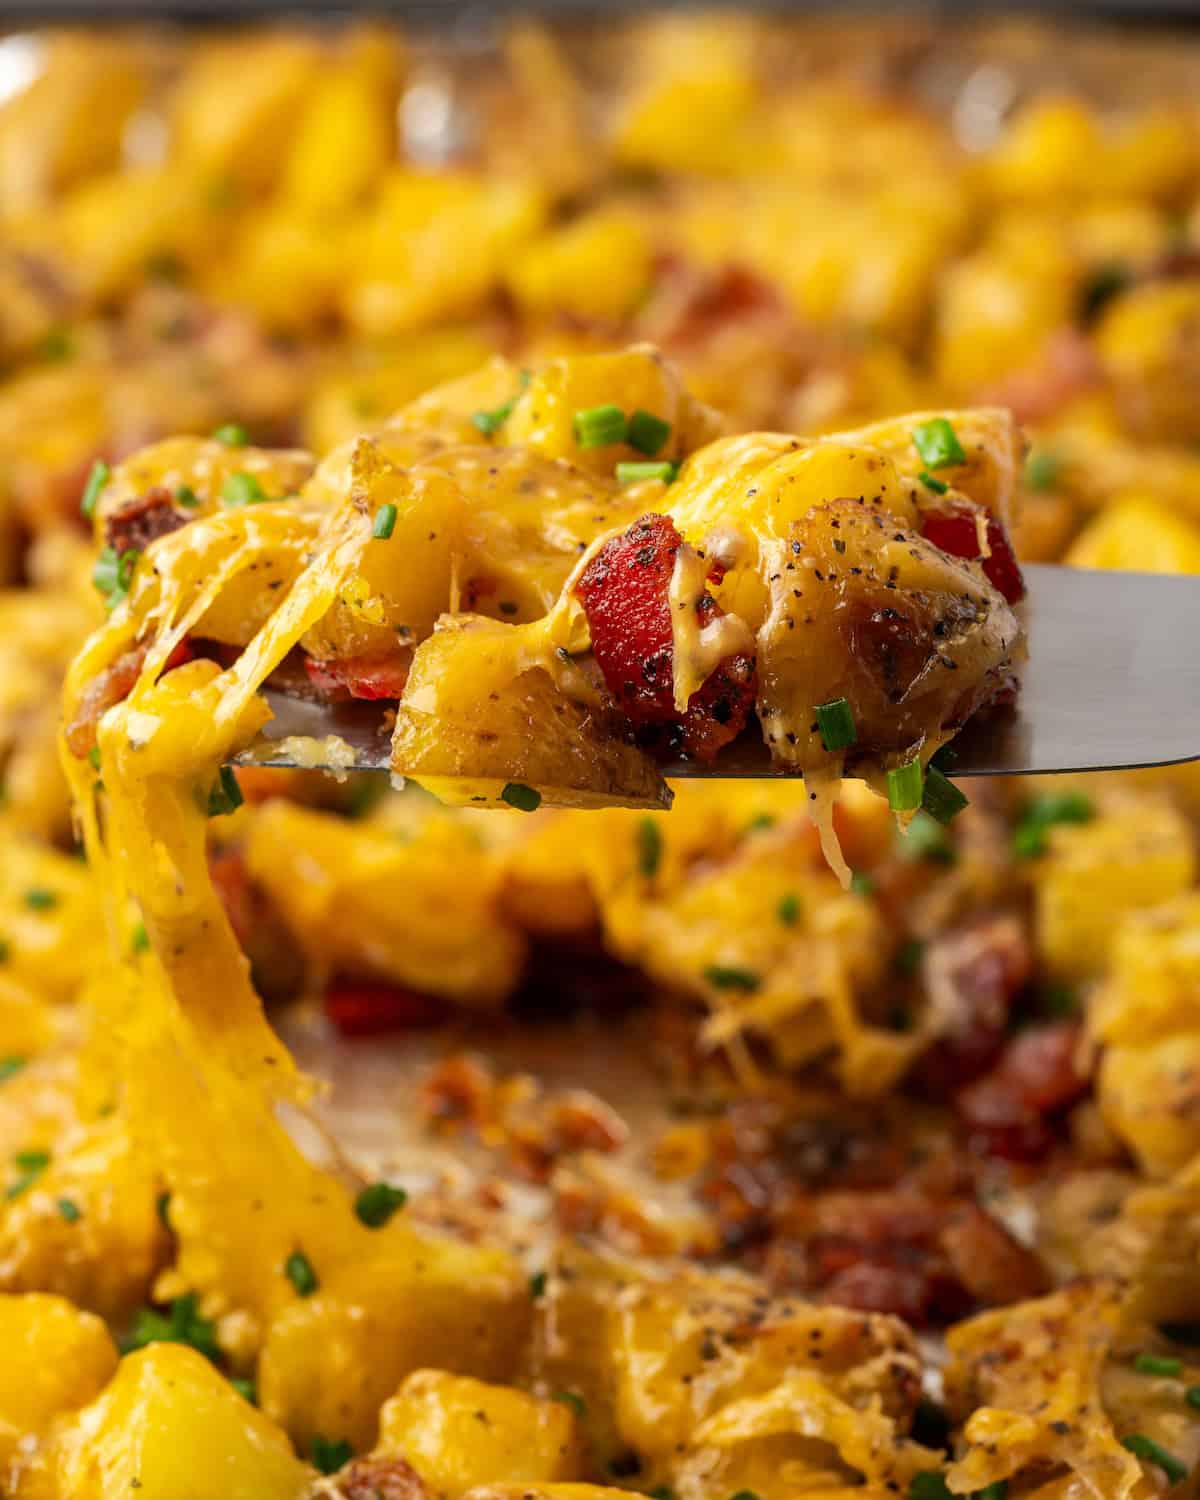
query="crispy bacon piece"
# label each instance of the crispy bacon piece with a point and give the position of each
(373, 677)
(954, 529)
(376, 1479)
(625, 592)
(109, 687)
(973, 975)
(143, 520)
(1010, 1111)
(359, 1008)
(927, 1259)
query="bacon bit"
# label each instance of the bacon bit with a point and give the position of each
(458, 1092)
(1010, 1111)
(954, 529)
(364, 1009)
(625, 594)
(376, 1479)
(691, 303)
(373, 677)
(973, 976)
(991, 1263)
(1066, 367)
(143, 520)
(110, 687)
(923, 1258)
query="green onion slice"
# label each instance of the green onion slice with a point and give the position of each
(835, 720)
(905, 785)
(647, 433)
(937, 443)
(598, 426)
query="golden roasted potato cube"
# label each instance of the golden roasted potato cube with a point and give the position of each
(545, 1492)
(234, 111)
(637, 378)
(596, 267)
(458, 1432)
(1140, 533)
(1136, 853)
(335, 883)
(85, 1224)
(168, 1425)
(332, 1359)
(49, 910)
(1150, 1098)
(468, 736)
(56, 1359)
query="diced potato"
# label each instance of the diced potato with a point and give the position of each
(467, 735)
(637, 378)
(56, 1358)
(596, 267)
(458, 1432)
(1139, 533)
(1150, 1098)
(335, 884)
(168, 1426)
(49, 909)
(86, 1226)
(332, 1359)
(1137, 853)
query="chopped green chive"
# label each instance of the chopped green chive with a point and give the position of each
(730, 977)
(938, 486)
(908, 957)
(1030, 834)
(298, 1270)
(997, 1490)
(242, 489)
(181, 1324)
(862, 884)
(937, 443)
(760, 822)
(186, 496)
(232, 434)
(572, 1399)
(38, 898)
(744, 1495)
(30, 1165)
(98, 477)
(1157, 1364)
(835, 720)
(1105, 283)
(598, 426)
(663, 1492)
(925, 839)
(929, 1486)
(635, 473)
(647, 433)
(649, 848)
(10, 1067)
(1150, 1452)
(58, 345)
(140, 942)
(113, 574)
(384, 523)
(788, 910)
(94, 757)
(245, 1388)
(1192, 1396)
(537, 1284)
(329, 1455)
(940, 798)
(905, 785)
(226, 795)
(70, 1210)
(1043, 470)
(490, 422)
(376, 1204)
(524, 798)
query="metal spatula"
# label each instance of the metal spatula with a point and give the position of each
(1112, 682)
